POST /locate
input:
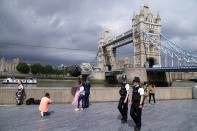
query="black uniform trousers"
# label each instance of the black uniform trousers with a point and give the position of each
(136, 114)
(123, 108)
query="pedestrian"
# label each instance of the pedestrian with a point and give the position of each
(43, 107)
(80, 97)
(76, 94)
(20, 93)
(137, 103)
(152, 90)
(123, 102)
(145, 87)
(87, 87)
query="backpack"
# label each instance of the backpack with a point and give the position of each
(123, 91)
(30, 101)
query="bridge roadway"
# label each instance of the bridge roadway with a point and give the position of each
(173, 69)
(121, 40)
(174, 115)
(158, 69)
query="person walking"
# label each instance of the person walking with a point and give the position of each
(152, 90)
(43, 107)
(80, 97)
(145, 87)
(123, 102)
(76, 95)
(87, 87)
(137, 103)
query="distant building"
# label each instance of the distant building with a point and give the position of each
(62, 66)
(8, 65)
(124, 63)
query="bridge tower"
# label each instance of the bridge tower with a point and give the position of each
(106, 55)
(145, 54)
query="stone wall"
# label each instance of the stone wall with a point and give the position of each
(98, 94)
(183, 75)
(174, 93)
(98, 75)
(132, 72)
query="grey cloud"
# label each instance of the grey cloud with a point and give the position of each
(78, 24)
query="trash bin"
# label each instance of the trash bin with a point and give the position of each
(194, 92)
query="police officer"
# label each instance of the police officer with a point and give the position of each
(137, 101)
(123, 102)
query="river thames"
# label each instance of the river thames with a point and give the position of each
(72, 83)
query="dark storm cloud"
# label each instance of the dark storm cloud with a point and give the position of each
(179, 22)
(46, 23)
(78, 24)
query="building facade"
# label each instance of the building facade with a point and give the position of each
(8, 65)
(124, 63)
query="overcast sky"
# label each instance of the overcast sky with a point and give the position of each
(78, 24)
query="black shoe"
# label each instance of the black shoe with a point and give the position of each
(136, 129)
(124, 121)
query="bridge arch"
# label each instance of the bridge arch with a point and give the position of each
(109, 67)
(151, 61)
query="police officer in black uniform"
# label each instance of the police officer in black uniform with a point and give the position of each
(123, 102)
(137, 101)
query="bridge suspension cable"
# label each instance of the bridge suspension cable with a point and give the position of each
(172, 50)
(178, 48)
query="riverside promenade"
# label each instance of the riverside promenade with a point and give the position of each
(171, 115)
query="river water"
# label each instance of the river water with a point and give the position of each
(71, 83)
(56, 83)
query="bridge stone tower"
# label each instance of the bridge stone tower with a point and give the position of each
(106, 55)
(145, 53)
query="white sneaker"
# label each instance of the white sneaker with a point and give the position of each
(42, 114)
(77, 109)
(82, 109)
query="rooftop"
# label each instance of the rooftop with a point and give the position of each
(174, 115)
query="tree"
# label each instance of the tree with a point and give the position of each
(23, 68)
(47, 69)
(58, 72)
(36, 68)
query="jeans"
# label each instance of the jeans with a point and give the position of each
(86, 100)
(152, 94)
(81, 98)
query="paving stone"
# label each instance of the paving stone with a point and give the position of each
(174, 115)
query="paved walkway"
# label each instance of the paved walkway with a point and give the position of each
(176, 115)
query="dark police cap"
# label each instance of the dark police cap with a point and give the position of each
(136, 79)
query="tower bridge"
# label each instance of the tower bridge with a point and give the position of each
(144, 50)
(149, 45)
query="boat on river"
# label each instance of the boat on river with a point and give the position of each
(15, 81)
